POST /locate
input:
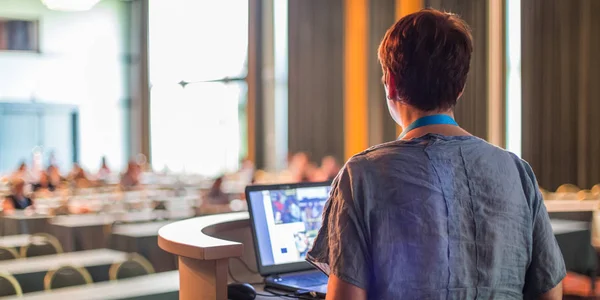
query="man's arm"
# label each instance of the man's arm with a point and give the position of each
(337, 289)
(556, 293)
(546, 270)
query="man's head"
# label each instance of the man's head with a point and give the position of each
(17, 186)
(425, 59)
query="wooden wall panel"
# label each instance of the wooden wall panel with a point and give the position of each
(316, 57)
(471, 110)
(382, 127)
(560, 72)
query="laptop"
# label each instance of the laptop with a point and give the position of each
(285, 220)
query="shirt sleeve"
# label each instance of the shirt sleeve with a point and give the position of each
(547, 267)
(340, 247)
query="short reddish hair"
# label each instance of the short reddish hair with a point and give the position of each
(429, 54)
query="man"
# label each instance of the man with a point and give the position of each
(439, 213)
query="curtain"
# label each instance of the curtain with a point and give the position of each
(382, 127)
(316, 100)
(471, 109)
(561, 105)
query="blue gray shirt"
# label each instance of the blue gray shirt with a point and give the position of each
(439, 217)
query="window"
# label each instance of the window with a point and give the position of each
(198, 54)
(280, 45)
(513, 72)
(18, 35)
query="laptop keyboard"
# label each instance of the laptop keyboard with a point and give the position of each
(303, 279)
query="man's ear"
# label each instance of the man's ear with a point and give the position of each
(390, 86)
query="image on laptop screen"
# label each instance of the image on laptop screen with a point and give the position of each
(287, 222)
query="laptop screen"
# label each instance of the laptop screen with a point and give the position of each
(286, 220)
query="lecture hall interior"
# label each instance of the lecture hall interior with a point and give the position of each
(198, 149)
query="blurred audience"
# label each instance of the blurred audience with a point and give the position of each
(246, 172)
(78, 177)
(311, 171)
(104, 171)
(301, 169)
(17, 200)
(328, 170)
(21, 172)
(54, 176)
(216, 194)
(50, 183)
(131, 177)
(76, 173)
(44, 183)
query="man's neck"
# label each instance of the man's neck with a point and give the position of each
(408, 116)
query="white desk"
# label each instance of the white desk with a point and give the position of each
(572, 205)
(82, 232)
(566, 226)
(48, 262)
(162, 286)
(30, 272)
(142, 238)
(139, 230)
(14, 241)
(21, 223)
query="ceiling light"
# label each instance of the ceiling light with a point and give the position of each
(70, 5)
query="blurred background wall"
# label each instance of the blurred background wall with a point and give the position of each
(207, 84)
(561, 94)
(82, 61)
(316, 82)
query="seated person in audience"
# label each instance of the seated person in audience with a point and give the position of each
(77, 172)
(131, 177)
(21, 172)
(215, 194)
(54, 177)
(328, 170)
(142, 163)
(301, 168)
(104, 171)
(63, 208)
(44, 183)
(78, 177)
(298, 164)
(246, 171)
(330, 167)
(438, 213)
(17, 200)
(310, 172)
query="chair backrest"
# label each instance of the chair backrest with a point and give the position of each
(585, 195)
(159, 205)
(8, 253)
(66, 276)
(568, 188)
(9, 286)
(596, 190)
(41, 244)
(135, 265)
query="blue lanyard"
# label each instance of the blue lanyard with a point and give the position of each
(429, 120)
